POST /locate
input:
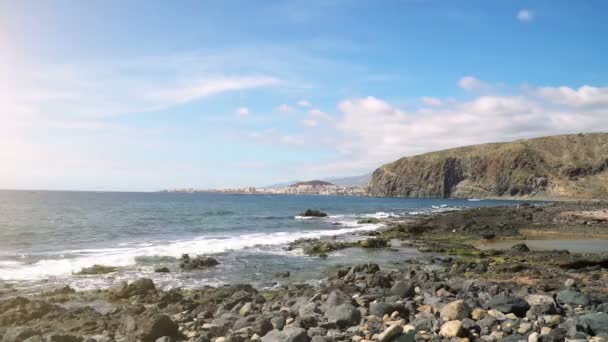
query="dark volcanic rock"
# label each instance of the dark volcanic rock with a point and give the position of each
(188, 264)
(313, 213)
(507, 304)
(381, 308)
(148, 326)
(520, 247)
(402, 289)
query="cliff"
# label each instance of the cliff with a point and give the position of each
(564, 166)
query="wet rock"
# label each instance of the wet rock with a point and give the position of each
(19, 334)
(403, 289)
(313, 213)
(289, 334)
(456, 310)
(573, 297)
(200, 262)
(373, 243)
(64, 338)
(520, 247)
(369, 220)
(344, 315)
(97, 269)
(507, 304)
(162, 270)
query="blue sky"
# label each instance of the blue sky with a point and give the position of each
(144, 95)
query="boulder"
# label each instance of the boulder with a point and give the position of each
(507, 304)
(289, 334)
(381, 308)
(573, 297)
(403, 289)
(541, 304)
(162, 270)
(313, 213)
(98, 269)
(200, 262)
(141, 286)
(451, 329)
(456, 310)
(344, 315)
(336, 298)
(520, 247)
(595, 323)
(148, 326)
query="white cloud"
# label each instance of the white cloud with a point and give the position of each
(525, 15)
(319, 114)
(242, 112)
(371, 131)
(304, 103)
(583, 96)
(431, 101)
(285, 109)
(309, 122)
(208, 87)
(473, 84)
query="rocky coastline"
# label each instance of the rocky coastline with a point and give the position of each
(455, 292)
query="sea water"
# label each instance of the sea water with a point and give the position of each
(46, 238)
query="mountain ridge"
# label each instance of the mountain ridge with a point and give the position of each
(562, 166)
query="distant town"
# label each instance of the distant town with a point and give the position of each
(314, 187)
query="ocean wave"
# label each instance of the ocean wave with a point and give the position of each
(129, 256)
(381, 215)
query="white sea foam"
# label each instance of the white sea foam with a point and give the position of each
(124, 256)
(381, 214)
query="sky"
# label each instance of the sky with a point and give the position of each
(147, 95)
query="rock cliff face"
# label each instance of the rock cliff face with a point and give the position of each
(564, 166)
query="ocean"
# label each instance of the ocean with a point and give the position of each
(47, 237)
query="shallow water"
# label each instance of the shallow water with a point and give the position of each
(574, 246)
(47, 237)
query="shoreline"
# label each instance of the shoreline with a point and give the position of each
(453, 291)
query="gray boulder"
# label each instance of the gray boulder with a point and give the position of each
(148, 327)
(381, 308)
(289, 334)
(507, 304)
(595, 323)
(572, 297)
(344, 315)
(336, 298)
(402, 289)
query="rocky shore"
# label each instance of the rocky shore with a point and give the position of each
(456, 292)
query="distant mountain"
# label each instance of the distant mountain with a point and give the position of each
(360, 181)
(310, 183)
(563, 166)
